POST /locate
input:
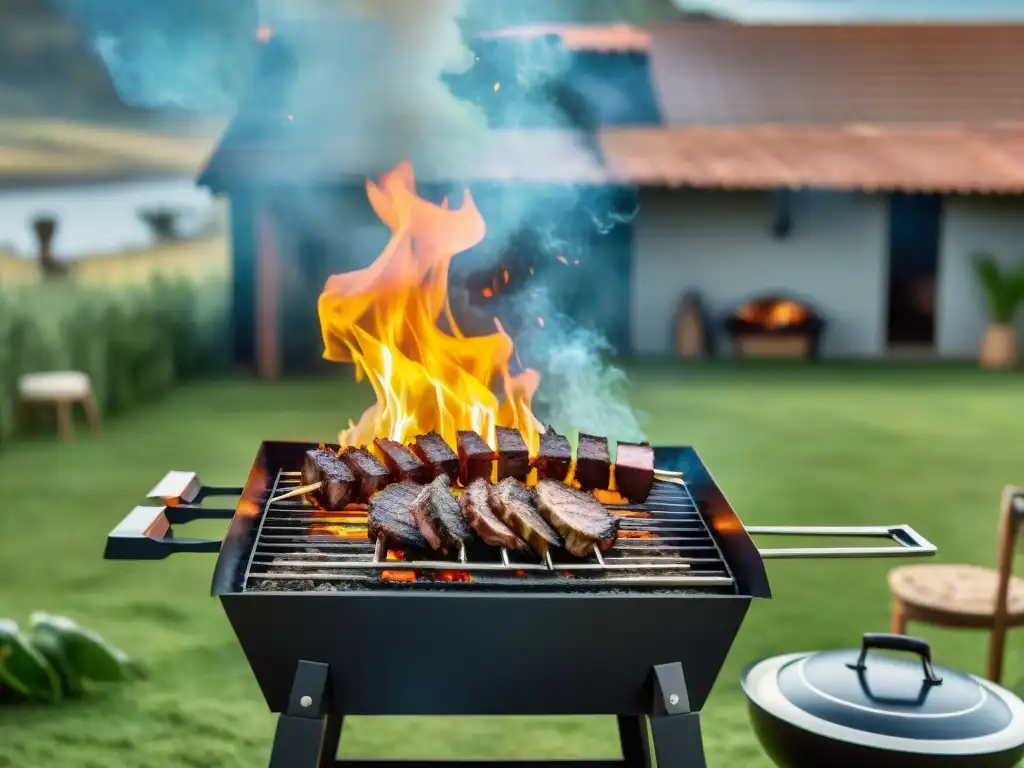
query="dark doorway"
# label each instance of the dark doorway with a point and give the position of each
(914, 226)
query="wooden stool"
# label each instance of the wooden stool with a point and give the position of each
(967, 595)
(61, 389)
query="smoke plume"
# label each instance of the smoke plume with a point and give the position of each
(189, 54)
(365, 81)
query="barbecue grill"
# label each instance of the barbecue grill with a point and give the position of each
(640, 631)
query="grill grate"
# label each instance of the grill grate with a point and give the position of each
(664, 543)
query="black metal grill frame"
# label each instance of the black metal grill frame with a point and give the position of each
(704, 501)
(649, 656)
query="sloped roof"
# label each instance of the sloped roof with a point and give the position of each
(732, 74)
(911, 107)
(938, 159)
(612, 38)
(537, 156)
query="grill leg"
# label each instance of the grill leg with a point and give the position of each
(675, 730)
(633, 738)
(308, 732)
(677, 741)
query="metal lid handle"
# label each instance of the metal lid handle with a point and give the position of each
(886, 642)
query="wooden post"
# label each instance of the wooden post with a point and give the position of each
(268, 277)
(1008, 528)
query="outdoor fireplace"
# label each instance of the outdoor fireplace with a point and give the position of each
(775, 326)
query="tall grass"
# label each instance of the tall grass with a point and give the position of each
(135, 342)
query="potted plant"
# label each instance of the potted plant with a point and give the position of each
(1004, 292)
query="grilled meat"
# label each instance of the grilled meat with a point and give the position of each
(513, 455)
(580, 518)
(433, 451)
(337, 483)
(476, 458)
(401, 462)
(371, 474)
(476, 508)
(438, 517)
(593, 462)
(554, 456)
(634, 471)
(514, 505)
(390, 519)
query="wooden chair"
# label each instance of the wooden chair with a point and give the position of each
(60, 389)
(967, 596)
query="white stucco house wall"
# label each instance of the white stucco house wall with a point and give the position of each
(720, 244)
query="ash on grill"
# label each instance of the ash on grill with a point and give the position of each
(663, 542)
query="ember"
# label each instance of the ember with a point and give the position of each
(396, 575)
(384, 319)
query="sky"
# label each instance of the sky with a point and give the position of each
(864, 10)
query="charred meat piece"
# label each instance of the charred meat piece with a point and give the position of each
(401, 462)
(389, 517)
(513, 455)
(554, 456)
(438, 517)
(514, 505)
(634, 471)
(433, 451)
(475, 457)
(476, 508)
(371, 474)
(580, 518)
(593, 462)
(337, 483)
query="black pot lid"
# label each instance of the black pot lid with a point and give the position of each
(895, 703)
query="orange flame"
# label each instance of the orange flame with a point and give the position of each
(779, 313)
(384, 319)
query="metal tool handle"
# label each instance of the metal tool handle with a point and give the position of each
(183, 492)
(887, 642)
(146, 533)
(909, 543)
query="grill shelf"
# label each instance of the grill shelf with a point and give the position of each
(663, 543)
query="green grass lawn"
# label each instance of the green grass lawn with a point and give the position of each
(824, 445)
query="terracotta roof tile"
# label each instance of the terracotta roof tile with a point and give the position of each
(734, 74)
(914, 107)
(911, 158)
(613, 38)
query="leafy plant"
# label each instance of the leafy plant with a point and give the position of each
(56, 658)
(135, 342)
(1004, 289)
